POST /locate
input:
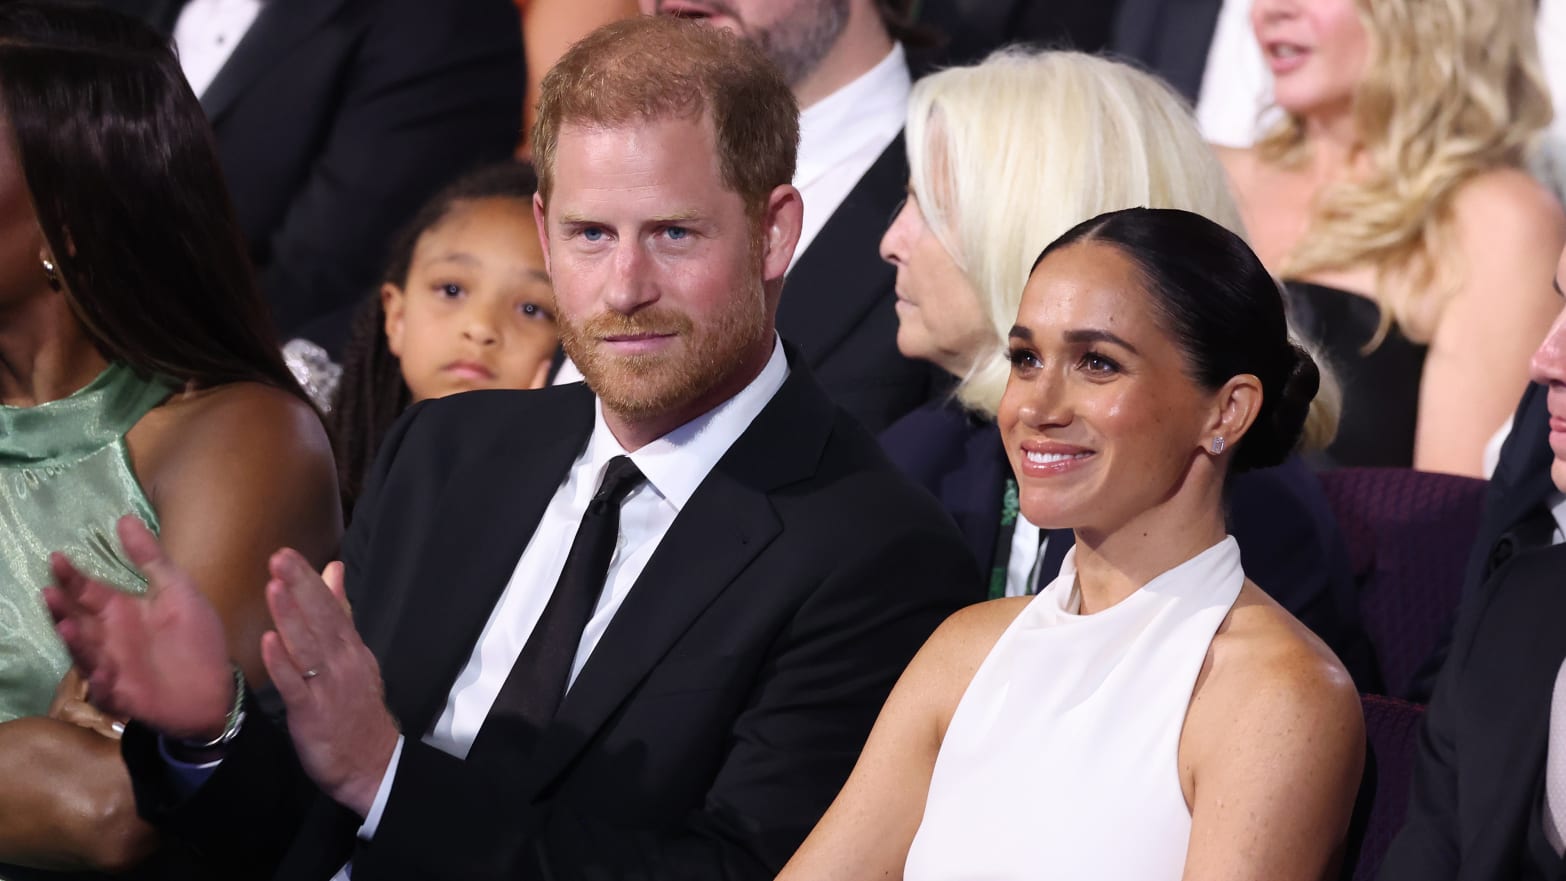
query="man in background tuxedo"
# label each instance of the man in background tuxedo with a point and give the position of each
(1489, 797)
(678, 689)
(336, 120)
(852, 81)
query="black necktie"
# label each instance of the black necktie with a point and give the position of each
(537, 682)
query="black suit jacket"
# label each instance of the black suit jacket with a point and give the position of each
(716, 719)
(337, 119)
(839, 301)
(975, 28)
(1289, 540)
(1516, 513)
(1168, 37)
(1474, 813)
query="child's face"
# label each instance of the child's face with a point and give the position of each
(477, 311)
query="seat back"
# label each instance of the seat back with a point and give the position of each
(1409, 534)
(1391, 731)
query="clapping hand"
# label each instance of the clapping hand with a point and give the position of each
(161, 658)
(329, 681)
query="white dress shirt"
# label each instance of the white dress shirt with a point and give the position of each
(843, 134)
(207, 32)
(675, 465)
(1022, 566)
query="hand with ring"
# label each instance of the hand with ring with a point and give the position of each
(342, 732)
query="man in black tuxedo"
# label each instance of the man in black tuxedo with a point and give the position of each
(676, 691)
(851, 78)
(336, 119)
(1489, 795)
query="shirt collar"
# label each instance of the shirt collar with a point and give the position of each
(677, 463)
(835, 127)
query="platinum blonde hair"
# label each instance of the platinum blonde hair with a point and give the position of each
(1452, 88)
(1008, 154)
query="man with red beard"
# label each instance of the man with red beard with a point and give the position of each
(638, 628)
(850, 74)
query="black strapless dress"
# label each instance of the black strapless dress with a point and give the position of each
(1380, 387)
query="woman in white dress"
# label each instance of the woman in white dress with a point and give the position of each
(1151, 714)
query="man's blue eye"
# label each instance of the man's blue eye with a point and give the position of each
(592, 234)
(678, 232)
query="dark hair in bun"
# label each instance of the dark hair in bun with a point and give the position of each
(1225, 312)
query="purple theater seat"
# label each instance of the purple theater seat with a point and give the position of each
(1391, 732)
(1409, 534)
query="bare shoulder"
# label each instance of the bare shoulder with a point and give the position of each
(1507, 205)
(236, 426)
(1267, 673)
(953, 653)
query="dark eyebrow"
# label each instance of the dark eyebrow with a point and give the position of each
(1021, 333)
(1098, 336)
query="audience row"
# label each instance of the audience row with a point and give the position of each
(685, 618)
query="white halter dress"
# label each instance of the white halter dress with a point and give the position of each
(1061, 760)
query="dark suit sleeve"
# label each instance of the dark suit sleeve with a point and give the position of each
(1427, 847)
(248, 812)
(434, 89)
(245, 816)
(790, 750)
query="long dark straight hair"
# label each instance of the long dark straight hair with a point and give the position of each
(124, 176)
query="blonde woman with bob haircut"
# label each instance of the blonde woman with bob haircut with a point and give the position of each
(1393, 199)
(1005, 156)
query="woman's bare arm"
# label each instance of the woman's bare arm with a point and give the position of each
(1272, 753)
(1510, 233)
(868, 829)
(234, 473)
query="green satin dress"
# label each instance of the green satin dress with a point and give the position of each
(65, 478)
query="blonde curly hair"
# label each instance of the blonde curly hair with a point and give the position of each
(1452, 89)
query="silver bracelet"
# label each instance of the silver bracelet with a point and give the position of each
(236, 718)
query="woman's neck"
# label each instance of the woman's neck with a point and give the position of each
(45, 353)
(1335, 147)
(1113, 564)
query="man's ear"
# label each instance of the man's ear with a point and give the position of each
(393, 303)
(539, 221)
(781, 223)
(1235, 408)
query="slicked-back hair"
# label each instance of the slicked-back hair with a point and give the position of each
(122, 170)
(652, 68)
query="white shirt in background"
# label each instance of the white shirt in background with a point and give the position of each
(843, 134)
(207, 32)
(1236, 85)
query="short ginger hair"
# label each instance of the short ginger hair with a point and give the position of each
(658, 67)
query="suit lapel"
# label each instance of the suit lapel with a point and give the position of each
(727, 522)
(981, 484)
(839, 278)
(280, 25)
(483, 520)
(1515, 676)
